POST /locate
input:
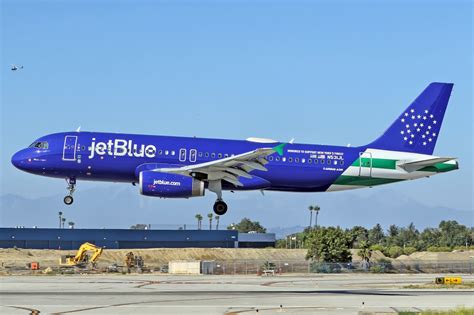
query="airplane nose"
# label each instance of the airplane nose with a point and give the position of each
(19, 159)
(16, 159)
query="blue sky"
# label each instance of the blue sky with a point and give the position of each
(330, 72)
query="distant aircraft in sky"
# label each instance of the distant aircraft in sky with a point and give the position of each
(180, 167)
(16, 67)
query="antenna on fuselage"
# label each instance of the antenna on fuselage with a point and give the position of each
(78, 129)
(291, 141)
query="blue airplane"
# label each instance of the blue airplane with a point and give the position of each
(181, 167)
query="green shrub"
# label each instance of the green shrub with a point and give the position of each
(439, 249)
(395, 251)
(377, 269)
(377, 247)
(409, 250)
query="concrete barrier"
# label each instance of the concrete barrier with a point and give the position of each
(184, 267)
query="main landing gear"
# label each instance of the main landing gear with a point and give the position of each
(71, 182)
(220, 207)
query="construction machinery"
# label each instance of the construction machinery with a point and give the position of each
(87, 254)
(132, 261)
(33, 265)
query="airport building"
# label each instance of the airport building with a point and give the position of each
(36, 238)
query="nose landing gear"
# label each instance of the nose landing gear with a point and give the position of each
(71, 182)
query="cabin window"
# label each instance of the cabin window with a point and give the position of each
(226, 155)
(322, 161)
(310, 161)
(290, 159)
(277, 158)
(303, 160)
(160, 152)
(213, 155)
(173, 152)
(283, 159)
(207, 154)
(219, 155)
(200, 154)
(270, 158)
(167, 152)
(341, 162)
(297, 160)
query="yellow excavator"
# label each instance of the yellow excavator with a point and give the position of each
(82, 257)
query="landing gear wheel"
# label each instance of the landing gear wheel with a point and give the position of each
(71, 186)
(220, 207)
(68, 200)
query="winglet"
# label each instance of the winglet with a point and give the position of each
(279, 148)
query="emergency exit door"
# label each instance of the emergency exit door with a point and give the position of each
(365, 164)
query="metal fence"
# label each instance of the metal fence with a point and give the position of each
(262, 267)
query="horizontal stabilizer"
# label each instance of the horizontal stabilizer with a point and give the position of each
(416, 165)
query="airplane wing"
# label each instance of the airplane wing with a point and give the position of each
(416, 165)
(230, 168)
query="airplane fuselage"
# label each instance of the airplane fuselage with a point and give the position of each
(120, 157)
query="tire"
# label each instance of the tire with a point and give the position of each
(220, 208)
(68, 200)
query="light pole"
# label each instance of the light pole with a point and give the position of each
(310, 208)
(316, 208)
(217, 222)
(60, 218)
(293, 238)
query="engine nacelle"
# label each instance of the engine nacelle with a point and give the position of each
(166, 185)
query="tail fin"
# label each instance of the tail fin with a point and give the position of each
(417, 128)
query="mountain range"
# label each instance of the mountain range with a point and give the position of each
(114, 206)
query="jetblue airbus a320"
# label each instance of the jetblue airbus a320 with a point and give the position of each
(179, 167)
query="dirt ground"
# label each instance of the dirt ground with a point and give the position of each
(16, 259)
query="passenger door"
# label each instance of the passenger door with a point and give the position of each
(69, 149)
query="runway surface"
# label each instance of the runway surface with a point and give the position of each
(164, 294)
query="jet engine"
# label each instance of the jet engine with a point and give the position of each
(167, 185)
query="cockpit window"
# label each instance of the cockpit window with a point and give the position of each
(39, 145)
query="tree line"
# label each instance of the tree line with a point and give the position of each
(333, 244)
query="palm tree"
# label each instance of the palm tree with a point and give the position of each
(316, 208)
(71, 224)
(60, 218)
(310, 208)
(199, 219)
(63, 220)
(210, 220)
(217, 221)
(365, 253)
